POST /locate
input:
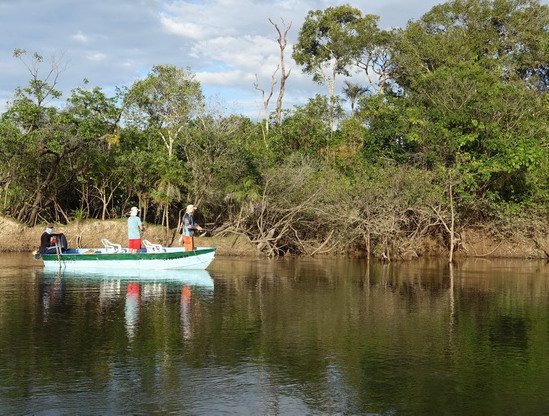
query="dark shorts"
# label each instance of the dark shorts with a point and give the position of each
(134, 243)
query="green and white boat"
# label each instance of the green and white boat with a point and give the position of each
(156, 258)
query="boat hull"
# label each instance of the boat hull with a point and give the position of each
(190, 277)
(171, 258)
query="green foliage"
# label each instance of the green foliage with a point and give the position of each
(168, 97)
(456, 105)
(508, 37)
(328, 35)
(307, 129)
(79, 215)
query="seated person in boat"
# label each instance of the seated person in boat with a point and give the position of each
(49, 240)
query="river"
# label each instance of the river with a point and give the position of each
(277, 337)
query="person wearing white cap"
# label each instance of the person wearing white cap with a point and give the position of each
(48, 239)
(189, 227)
(134, 228)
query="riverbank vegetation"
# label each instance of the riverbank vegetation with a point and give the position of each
(450, 133)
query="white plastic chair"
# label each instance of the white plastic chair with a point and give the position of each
(111, 247)
(153, 248)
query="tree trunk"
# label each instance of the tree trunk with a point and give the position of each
(41, 194)
(452, 226)
(282, 42)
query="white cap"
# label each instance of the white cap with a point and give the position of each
(134, 210)
(190, 208)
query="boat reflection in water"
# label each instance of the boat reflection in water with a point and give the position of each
(136, 288)
(190, 277)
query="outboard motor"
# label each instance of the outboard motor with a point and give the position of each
(62, 242)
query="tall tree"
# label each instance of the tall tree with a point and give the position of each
(470, 76)
(31, 102)
(325, 45)
(508, 37)
(165, 103)
(373, 51)
(282, 43)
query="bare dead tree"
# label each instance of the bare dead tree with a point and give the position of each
(262, 91)
(376, 63)
(282, 43)
(266, 101)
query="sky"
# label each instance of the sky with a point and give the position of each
(225, 43)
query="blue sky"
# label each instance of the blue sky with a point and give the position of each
(224, 42)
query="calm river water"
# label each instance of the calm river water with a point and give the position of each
(277, 337)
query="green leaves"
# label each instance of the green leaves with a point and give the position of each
(326, 35)
(167, 98)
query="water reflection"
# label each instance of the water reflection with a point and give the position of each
(191, 277)
(132, 308)
(287, 336)
(51, 294)
(148, 286)
(186, 312)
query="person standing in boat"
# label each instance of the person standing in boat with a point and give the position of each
(135, 227)
(189, 228)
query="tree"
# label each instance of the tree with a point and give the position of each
(266, 101)
(307, 129)
(215, 156)
(31, 102)
(165, 101)
(373, 52)
(467, 98)
(51, 137)
(325, 45)
(353, 92)
(282, 43)
(507, 37)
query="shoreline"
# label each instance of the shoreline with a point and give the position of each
(18, 237)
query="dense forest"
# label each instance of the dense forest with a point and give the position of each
(450, 132)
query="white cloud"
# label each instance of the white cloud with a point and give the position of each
(224, 78)
(96, 56)
(247, 52)
(80, 37)
(181, 28)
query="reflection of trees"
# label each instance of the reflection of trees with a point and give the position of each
(303, 317)
(378, 332)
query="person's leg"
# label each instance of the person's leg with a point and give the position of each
(134, 245)
(188, 243)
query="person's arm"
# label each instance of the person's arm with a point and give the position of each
(45, 239)
(195, 226)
